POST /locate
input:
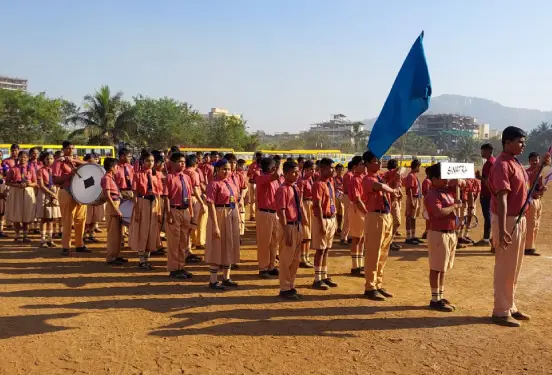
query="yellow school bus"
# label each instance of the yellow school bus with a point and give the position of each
(205, 150)
(80, 150)
(247, 156)
(425, 160)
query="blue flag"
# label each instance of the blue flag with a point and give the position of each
(408, 99)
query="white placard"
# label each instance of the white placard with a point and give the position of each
(450, 171)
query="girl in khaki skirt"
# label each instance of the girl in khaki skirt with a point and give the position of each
(3, 196)
(146, 214)
(94, 214)
(223, 227)
(20, 205)
(305, 186)
(160, 170)
(47, 200)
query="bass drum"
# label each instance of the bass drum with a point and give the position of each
(126, 209)
(86, 185)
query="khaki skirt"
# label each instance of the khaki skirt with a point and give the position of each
(143, 233)
(307, 229)
(95, 214)
(21, 205)
(226, 249)
(45, 208)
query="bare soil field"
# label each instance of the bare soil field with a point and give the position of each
(78, 316)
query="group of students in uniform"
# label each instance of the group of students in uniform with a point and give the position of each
(297, 206)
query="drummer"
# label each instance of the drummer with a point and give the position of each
(94, 213)
(73, 214)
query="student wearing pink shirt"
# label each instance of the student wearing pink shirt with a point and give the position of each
(413, 202)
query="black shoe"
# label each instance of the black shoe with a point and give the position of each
(123, 260)
(193, 259)
(87, 240)
(146, 266)
(274, 272)
(83, 249)
(305, 265)
(357, 272)
(94, 240)
(482, 242)
(3, 235)
(395, 246)
(26, 240)
(518, 315)
(230, 283)
(505, 321)
(411, 241)
(56, 235)
(320, 285)
(66, 252)
(532, 252)
(424, 236)
(115, 262)
(350, 241)
(265, 275)
(385, 293)
(448, 303)
(159, 252)
(178, 275)
(343, 242)
(418, 240)
(440, 306)
(329, 282)
(464, 241)
(374, 295)
(34, 231)
(234, 266)
(297, 294)
(289, 295)
(216, 286)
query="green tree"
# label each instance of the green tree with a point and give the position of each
(27, 118)
(467, 150)
(106, 119)
(413, 144)
(229, 131)
(539, 139)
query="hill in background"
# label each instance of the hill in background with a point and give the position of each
(486, 111)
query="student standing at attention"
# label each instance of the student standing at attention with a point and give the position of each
(413, 202)
(534, 211)
(291, 215)
(357, 216)
(344, 237)
(268, 234)
(47, 200)
(393, 178)
(305, 187)
(485, 197)
(324, 224)
(440, 205)
(508, 182)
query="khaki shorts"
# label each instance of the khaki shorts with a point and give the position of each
(325, 241)
(396, 212)
(413, 210)
(356, 222)
(441, 248)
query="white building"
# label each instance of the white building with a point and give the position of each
(220, 112)
(338, 128)
(12, 83)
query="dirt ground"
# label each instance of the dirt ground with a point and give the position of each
(78, 316)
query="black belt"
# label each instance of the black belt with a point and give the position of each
(294, 222)
(147, 197)
(328, 217)
(185, 207)
(446, 231)
(267, 210)
(307, 199)
(381, 211)
(223, 205)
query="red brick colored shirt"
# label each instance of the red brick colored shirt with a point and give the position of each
(434, 201)
(305, 185)
(346, 180)
(286, 200)
(45, 174)
(426, 185)
(173, 189)
(266, 191)
(508, 174)
(355, 188)
(373, 200)
(321, 193)
(485, 172)
(121, 176)
(59, 169)
(109, 185)
(411, 183)
(194, 176)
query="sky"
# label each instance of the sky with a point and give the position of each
(283, 64)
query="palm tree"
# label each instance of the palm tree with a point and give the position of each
(467, 150)
(106, 119)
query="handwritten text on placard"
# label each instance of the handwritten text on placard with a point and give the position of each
(451, 171)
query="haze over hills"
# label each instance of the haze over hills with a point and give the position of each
(486, 111)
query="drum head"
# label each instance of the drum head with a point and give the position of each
(126, 209)
(86, 184)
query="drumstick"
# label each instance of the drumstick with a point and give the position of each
(73, 167)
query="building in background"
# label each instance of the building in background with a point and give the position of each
(220, 112)
(339, 129)
(12, 83)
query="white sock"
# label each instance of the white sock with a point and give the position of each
(435, 295)
(317, 273)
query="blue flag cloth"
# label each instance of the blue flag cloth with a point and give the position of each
(408, 99)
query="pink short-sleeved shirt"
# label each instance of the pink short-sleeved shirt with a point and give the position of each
(508, 174)
(323, 191)
(18, 174)
(219, 193)
(411, 183)
(485, 192)
(109, 185)
(59, 169)
(346, 180)
(305, 185)
(194, 176)
(286, 200)
(355, 188)
(434, 201)
(45, 174)
(124, 175)
(140, 183)
(426, 185)
(173, 188)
